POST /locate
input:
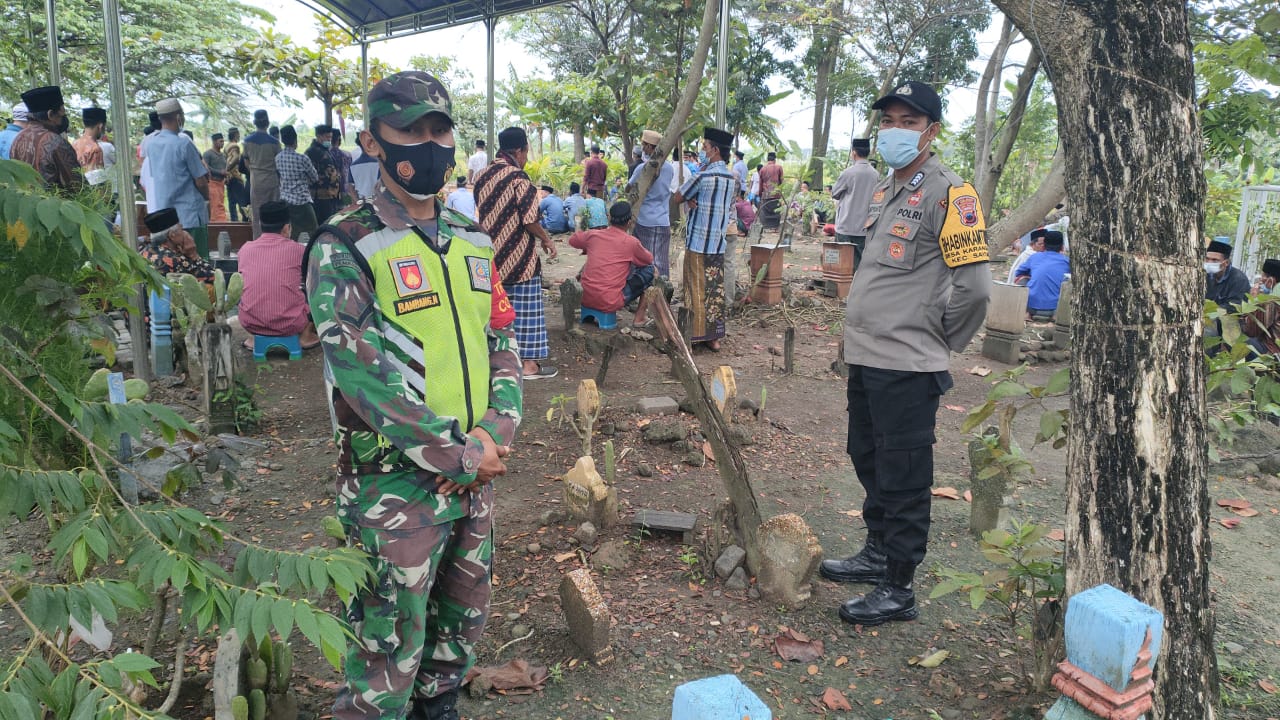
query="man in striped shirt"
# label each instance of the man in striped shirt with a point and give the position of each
(709, 198)
(507, 205)
(273, 304)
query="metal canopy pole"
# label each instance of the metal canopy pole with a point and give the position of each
(490, 25)
(722, 69)
(364, 79)
(124, 172)
(51, 38)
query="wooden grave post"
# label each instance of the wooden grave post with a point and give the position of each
(219, 378)
(729, 462)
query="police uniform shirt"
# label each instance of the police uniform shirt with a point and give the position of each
(921, 290)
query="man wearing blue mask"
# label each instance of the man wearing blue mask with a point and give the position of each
(920, 294)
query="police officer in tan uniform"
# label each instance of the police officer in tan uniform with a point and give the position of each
(920, 294)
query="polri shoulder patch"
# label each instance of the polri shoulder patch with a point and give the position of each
(963, 239)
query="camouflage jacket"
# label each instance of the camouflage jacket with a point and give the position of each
(383, 425)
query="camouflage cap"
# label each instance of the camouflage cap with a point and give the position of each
(400, 99)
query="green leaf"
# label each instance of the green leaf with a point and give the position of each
(50, 213)
(260, 624)
(1050, 424)
(977, 596)
(1059, 382)
(79, 557)
(97, 542)
(1006, 389)
(304, 618)
(134, 662)
(282, 617)
(977, 415)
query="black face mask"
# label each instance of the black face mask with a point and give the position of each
(420, 168)
(64, 124)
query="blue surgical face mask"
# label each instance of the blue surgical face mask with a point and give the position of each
(702, 157)
(327, 144)
(1213, 268)
(899, 146)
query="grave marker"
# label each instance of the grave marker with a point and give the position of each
(1112, 643)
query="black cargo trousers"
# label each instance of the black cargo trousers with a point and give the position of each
(892, 415)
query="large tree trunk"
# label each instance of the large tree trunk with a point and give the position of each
(671, 138)
(984, 118)
(829, 40)
(1137, 502)
(579, 143)
(987, 178)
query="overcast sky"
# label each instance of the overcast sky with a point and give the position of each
(467, 46)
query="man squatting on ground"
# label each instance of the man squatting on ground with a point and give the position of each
(421, 434)
(920, 294)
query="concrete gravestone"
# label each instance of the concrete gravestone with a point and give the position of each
(1112, 644)
(789, 555)
(588, 497)
(587, 615)
(1006, 319)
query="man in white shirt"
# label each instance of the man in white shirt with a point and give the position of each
(477, 162)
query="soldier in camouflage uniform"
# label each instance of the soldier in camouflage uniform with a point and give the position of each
(425, 393)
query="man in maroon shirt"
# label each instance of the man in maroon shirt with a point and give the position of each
(770, 178)
(594, 171)
(273, 304)
(618, 267)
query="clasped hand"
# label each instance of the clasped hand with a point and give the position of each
(491, 465)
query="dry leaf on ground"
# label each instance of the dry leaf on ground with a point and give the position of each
(1267, 686)
(1056, 534)
(835, 700)
(706, 450)
(1245, 512)
(955, 408)
(931, 660)
(1234, 503)
(797, 647)
(1229, 523)
(980, 370)
(949, 493)
(968, 496)
(852, 513)
(565, 556)
(517, 677)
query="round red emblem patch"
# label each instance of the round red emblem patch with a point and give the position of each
(896, 250)
(404, 169)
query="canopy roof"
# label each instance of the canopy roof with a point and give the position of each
(371, 20)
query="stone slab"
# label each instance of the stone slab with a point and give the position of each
(722, 697)
(657, 406)
(587, 615)
(684, 523)
(731, 558)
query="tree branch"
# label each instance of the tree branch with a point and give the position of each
(1031, 212)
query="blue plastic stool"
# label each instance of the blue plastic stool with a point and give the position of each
(263, 343)
(604, 320)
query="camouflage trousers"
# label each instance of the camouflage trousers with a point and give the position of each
(416, 625)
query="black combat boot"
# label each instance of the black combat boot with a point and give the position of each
(865, 567)
(440, 707)
(892, 599)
